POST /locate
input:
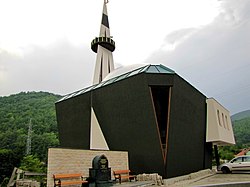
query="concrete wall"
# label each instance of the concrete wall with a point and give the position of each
(79, 161)
(219, 126)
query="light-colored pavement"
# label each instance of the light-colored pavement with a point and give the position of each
(198, 179)
(222, 179)
(217, 178)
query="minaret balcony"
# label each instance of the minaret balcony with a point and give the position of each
(105, 42)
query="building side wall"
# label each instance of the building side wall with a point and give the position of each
(73, 119)
(187, 130)
(126, 116)
(79, 161)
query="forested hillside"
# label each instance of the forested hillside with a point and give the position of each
(16, 112)
(242, 131)
(241, 115)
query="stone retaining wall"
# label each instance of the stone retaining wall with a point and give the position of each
(79, 161)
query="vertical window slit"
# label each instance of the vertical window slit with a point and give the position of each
(160, 96)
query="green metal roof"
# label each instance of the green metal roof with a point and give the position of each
(155, 69)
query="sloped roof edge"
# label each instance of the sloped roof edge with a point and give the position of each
(155, 69)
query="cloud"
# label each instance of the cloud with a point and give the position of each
(175, 38)
(60, 68)
(214, 58)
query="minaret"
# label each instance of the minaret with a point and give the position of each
(103, 46)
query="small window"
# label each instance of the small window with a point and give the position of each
(223, 120)
(218, 115)
(227, 122)
(237, 160)
(246, 159)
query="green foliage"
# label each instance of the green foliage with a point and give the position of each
(32, 163)
(242, 136)
(242, 131)
(228, 152)
(7, 163)
(15, 114)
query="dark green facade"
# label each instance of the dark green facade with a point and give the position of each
(159, 118)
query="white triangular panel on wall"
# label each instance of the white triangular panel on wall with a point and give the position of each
(97, 139)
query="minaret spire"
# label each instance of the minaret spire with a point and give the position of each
(103, 46)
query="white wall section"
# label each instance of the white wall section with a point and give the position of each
(219, 125)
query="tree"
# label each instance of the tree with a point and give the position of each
(33, 164)
(7, 163)
(15, 113)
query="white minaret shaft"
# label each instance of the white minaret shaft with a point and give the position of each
(103, 46)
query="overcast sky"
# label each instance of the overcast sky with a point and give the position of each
(45, 44)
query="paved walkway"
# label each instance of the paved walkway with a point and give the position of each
(216, 179)
(198, 179)
(226, 179)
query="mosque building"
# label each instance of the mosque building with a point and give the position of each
(166, 125)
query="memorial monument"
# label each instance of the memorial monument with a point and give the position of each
(100, 173)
